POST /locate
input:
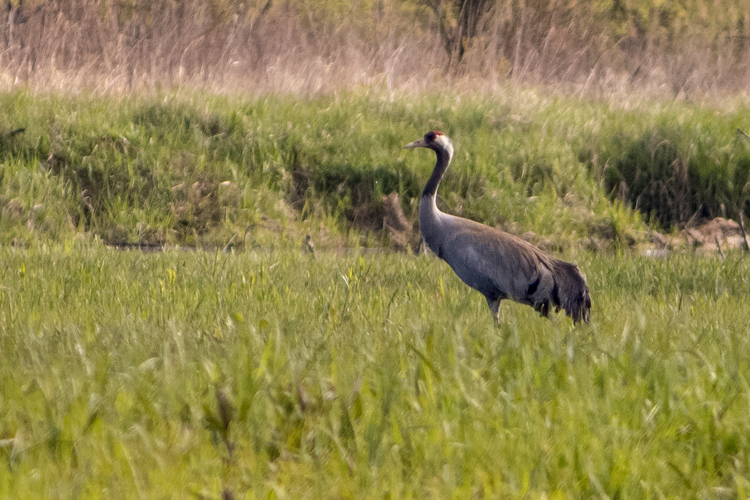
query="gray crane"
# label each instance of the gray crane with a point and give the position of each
(493, 262)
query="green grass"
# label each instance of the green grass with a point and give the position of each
(198, 169)
(281, 374)
(276, 373)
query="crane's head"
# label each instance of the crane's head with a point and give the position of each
(435, 140)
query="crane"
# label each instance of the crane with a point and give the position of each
(497, 264)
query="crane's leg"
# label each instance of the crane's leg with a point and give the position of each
(495, 308)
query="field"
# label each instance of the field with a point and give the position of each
(243, 363)
(288, 374)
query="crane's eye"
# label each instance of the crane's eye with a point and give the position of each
(429, 136)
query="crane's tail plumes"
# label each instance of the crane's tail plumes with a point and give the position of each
(571, 292)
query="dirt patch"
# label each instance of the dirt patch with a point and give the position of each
(401, 232)
(716, 236)
(723, 232)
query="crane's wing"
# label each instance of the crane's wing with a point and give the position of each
(500, 265)
(493, 261)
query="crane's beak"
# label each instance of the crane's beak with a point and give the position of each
(416, 144)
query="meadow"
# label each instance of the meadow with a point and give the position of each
(240, 362)
(288, 374)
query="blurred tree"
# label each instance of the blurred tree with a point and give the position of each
(458, 22)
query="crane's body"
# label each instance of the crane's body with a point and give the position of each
(493, 262)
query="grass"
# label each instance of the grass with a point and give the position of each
(272, 371)
(197, 169)
(282, 374)
(682, 168)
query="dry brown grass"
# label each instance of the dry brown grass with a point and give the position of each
(308, 48)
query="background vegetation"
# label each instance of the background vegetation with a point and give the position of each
(673, 47)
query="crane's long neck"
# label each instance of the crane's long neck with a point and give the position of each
(444, 157)
(429, 216)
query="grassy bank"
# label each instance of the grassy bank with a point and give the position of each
(201, 169)
(291, 375)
